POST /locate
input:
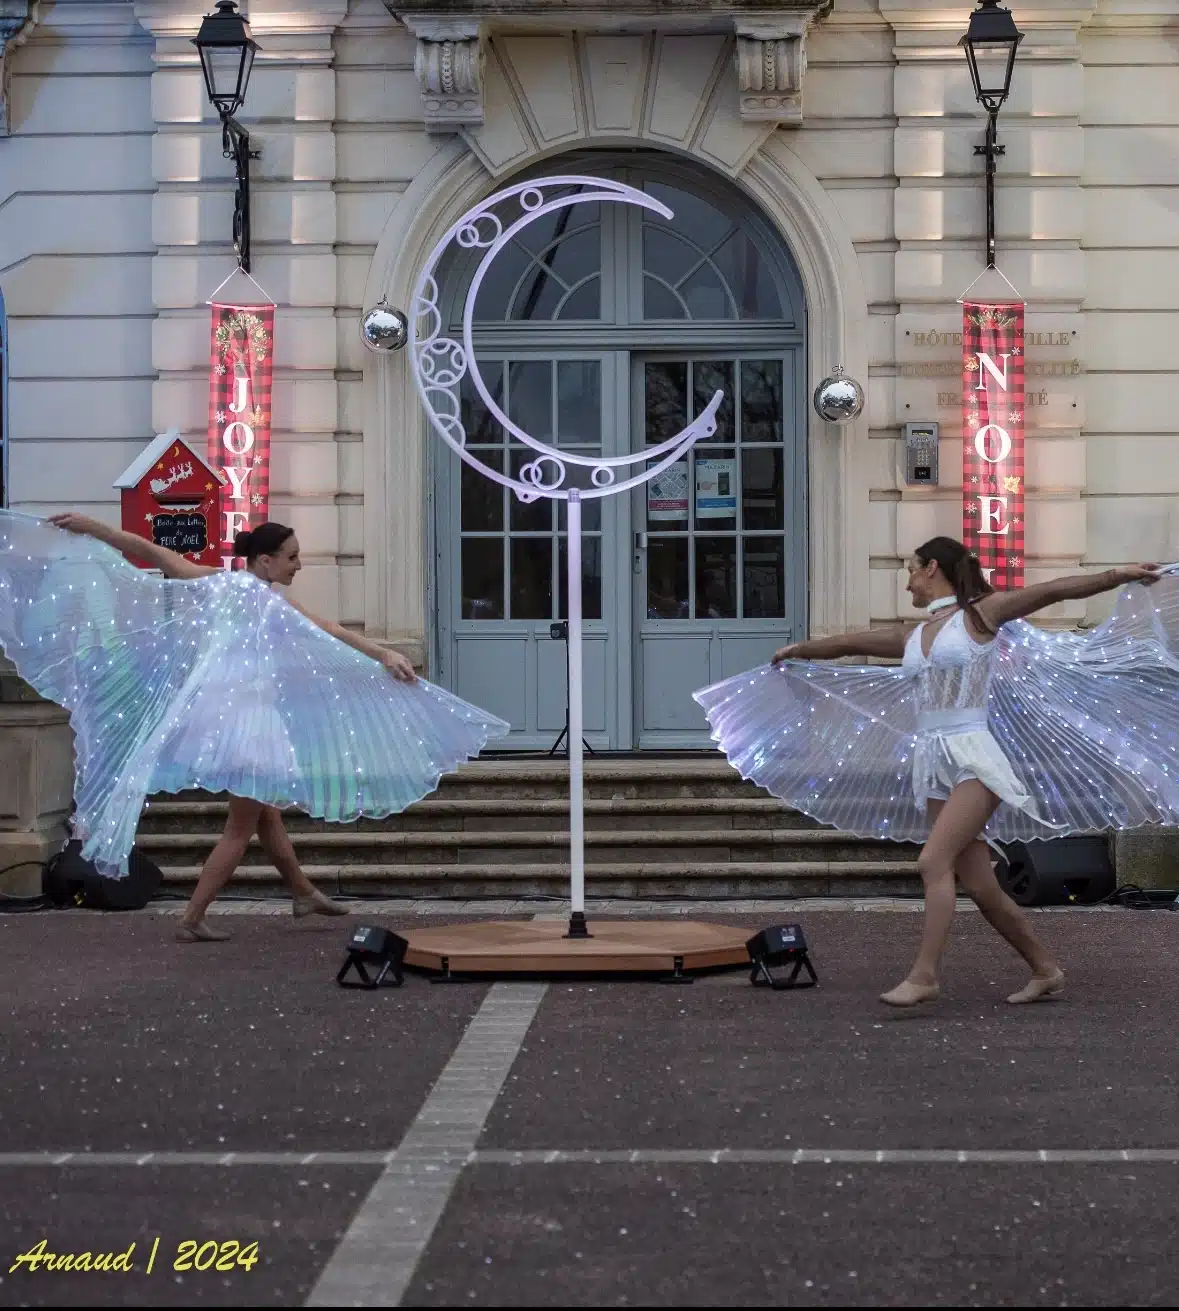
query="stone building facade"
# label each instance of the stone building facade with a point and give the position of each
(830, 145)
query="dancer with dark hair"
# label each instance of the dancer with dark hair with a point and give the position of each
(989, 729)
(210, 679)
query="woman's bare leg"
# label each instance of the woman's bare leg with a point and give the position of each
(956, 824)
(977, 877)
(308, 900)
(277, 845)
(225, 857)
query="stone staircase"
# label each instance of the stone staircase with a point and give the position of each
(683, 827)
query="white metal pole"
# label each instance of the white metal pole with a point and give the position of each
(577, 926)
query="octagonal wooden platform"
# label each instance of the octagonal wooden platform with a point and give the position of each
(539, 947)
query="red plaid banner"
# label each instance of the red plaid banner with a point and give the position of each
(241, 355)
(992, 439)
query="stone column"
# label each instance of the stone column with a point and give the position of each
(36, 783)
(940, 226)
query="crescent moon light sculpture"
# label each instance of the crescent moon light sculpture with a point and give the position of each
(440, 362)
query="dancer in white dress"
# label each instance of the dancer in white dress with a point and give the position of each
(846, 749)
(212, 680)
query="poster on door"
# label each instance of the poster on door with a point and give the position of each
(716, 489)
(667, 494)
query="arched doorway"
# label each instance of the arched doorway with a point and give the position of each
(602, 329)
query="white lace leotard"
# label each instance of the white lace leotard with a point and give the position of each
(953, 741)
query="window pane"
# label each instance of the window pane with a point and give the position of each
(761, 401)
(532, 577)
(579, 402)
(530, 397)
(667, 578)
(584, 302)
(482, 498)
(478, 424)
(762, 492)
(750, 280)
(591, 578)
(577, 256)
(709, 376)
(765, 573)
(716, 488)
(483, 578)
(707, 296)
(536, 516)
(667, 256)
(716, 578)
(491, 304)
(541, 233)
(665, 399)
(693, 216)
(661, 303)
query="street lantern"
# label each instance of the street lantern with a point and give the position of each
(227, 53)
(990, 44)
(993, 39)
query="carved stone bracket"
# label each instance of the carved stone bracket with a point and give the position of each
(17, 20)
(449, 68)
(771, 62)
(770, 45)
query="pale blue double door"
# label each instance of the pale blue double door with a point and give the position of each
(687, 580)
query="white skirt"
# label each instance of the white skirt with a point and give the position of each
(944, 760)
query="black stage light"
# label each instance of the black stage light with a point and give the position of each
(783, 944)
(369, 945)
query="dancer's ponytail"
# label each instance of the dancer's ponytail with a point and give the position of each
(962, 571)
(266, 539)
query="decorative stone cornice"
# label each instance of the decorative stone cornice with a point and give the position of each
(451, 36)
(17, 20)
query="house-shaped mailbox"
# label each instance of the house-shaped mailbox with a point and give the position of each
(171, 496)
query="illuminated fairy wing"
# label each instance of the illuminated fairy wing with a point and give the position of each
(215, 683)
(833, 741)
(1089, 723)
(1090, 720)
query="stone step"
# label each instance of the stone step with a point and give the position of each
(708, 775)
(758, 879)
(710, 846)
(493, 813)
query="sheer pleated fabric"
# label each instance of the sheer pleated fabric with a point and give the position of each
(215, 683)
(1089, 723)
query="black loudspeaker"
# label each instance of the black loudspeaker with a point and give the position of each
(1057, 872)
(71, 881)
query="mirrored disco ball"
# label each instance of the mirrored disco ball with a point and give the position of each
(838, 399)
(384, 329)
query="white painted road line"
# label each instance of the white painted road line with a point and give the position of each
(456, 1158)
(375, 1260)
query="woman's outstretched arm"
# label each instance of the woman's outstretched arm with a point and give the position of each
(171, 564)
(884, 642)
(393, 661)
(1001, 607)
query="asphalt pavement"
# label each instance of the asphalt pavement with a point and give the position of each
(238, 1130)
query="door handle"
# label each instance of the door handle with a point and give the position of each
(640, 541)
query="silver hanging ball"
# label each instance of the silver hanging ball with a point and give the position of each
(838, 399)
(384, 329)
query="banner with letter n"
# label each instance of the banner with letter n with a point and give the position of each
(993, 439)
(241, 366)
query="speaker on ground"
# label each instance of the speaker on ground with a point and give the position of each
(71, 881)
(1057, 872)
